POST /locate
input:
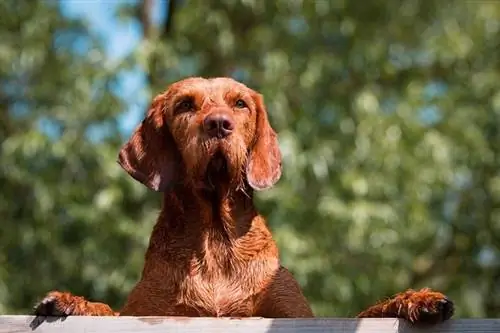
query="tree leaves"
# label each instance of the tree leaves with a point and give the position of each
(387, 115)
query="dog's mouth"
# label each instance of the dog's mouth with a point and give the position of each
(218, 163)
(217, 170)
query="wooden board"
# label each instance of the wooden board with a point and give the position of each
(25, 324)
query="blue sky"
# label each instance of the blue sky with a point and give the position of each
(121, 38)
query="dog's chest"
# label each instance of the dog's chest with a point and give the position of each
(218, 298)
(224, 293)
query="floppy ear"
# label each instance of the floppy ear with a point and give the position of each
(264, 162)
(150, 156)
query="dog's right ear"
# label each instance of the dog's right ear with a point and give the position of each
(150, 156)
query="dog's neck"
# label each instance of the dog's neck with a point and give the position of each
(224, 211)
(193, 215)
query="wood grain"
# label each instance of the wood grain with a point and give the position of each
(77, 324)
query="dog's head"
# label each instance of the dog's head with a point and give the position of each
(208, 133)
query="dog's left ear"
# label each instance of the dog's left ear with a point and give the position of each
(264, 162)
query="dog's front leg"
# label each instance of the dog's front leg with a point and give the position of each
(419, 307)
(58, 304)
(282, 298)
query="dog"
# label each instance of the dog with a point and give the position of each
(207, 144)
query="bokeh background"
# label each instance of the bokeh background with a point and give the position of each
(388, 115)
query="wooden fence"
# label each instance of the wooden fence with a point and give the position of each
(25, 324)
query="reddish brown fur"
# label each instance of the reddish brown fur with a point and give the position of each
(211, 253)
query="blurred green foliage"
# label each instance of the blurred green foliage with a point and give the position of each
(388, 115)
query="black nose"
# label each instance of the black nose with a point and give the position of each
(218, 125)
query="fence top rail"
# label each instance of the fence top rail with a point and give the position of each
(77, 324)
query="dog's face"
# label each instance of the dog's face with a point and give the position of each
(213, 124)
(208, 133)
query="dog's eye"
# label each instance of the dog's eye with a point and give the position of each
(184, 105)
(240, 104)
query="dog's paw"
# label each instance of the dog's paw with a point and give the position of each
(58, 304)
(425, 307)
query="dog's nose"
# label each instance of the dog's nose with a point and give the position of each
(218, 125)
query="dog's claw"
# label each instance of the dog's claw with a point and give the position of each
(423, 307)
(62, 304)
(430, 307)
(55, 304)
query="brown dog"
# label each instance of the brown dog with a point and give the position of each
(207, 144)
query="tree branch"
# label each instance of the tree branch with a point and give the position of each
(170, 11)
(149, 34)
(145, 18)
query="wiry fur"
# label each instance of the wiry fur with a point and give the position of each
(210, 252)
